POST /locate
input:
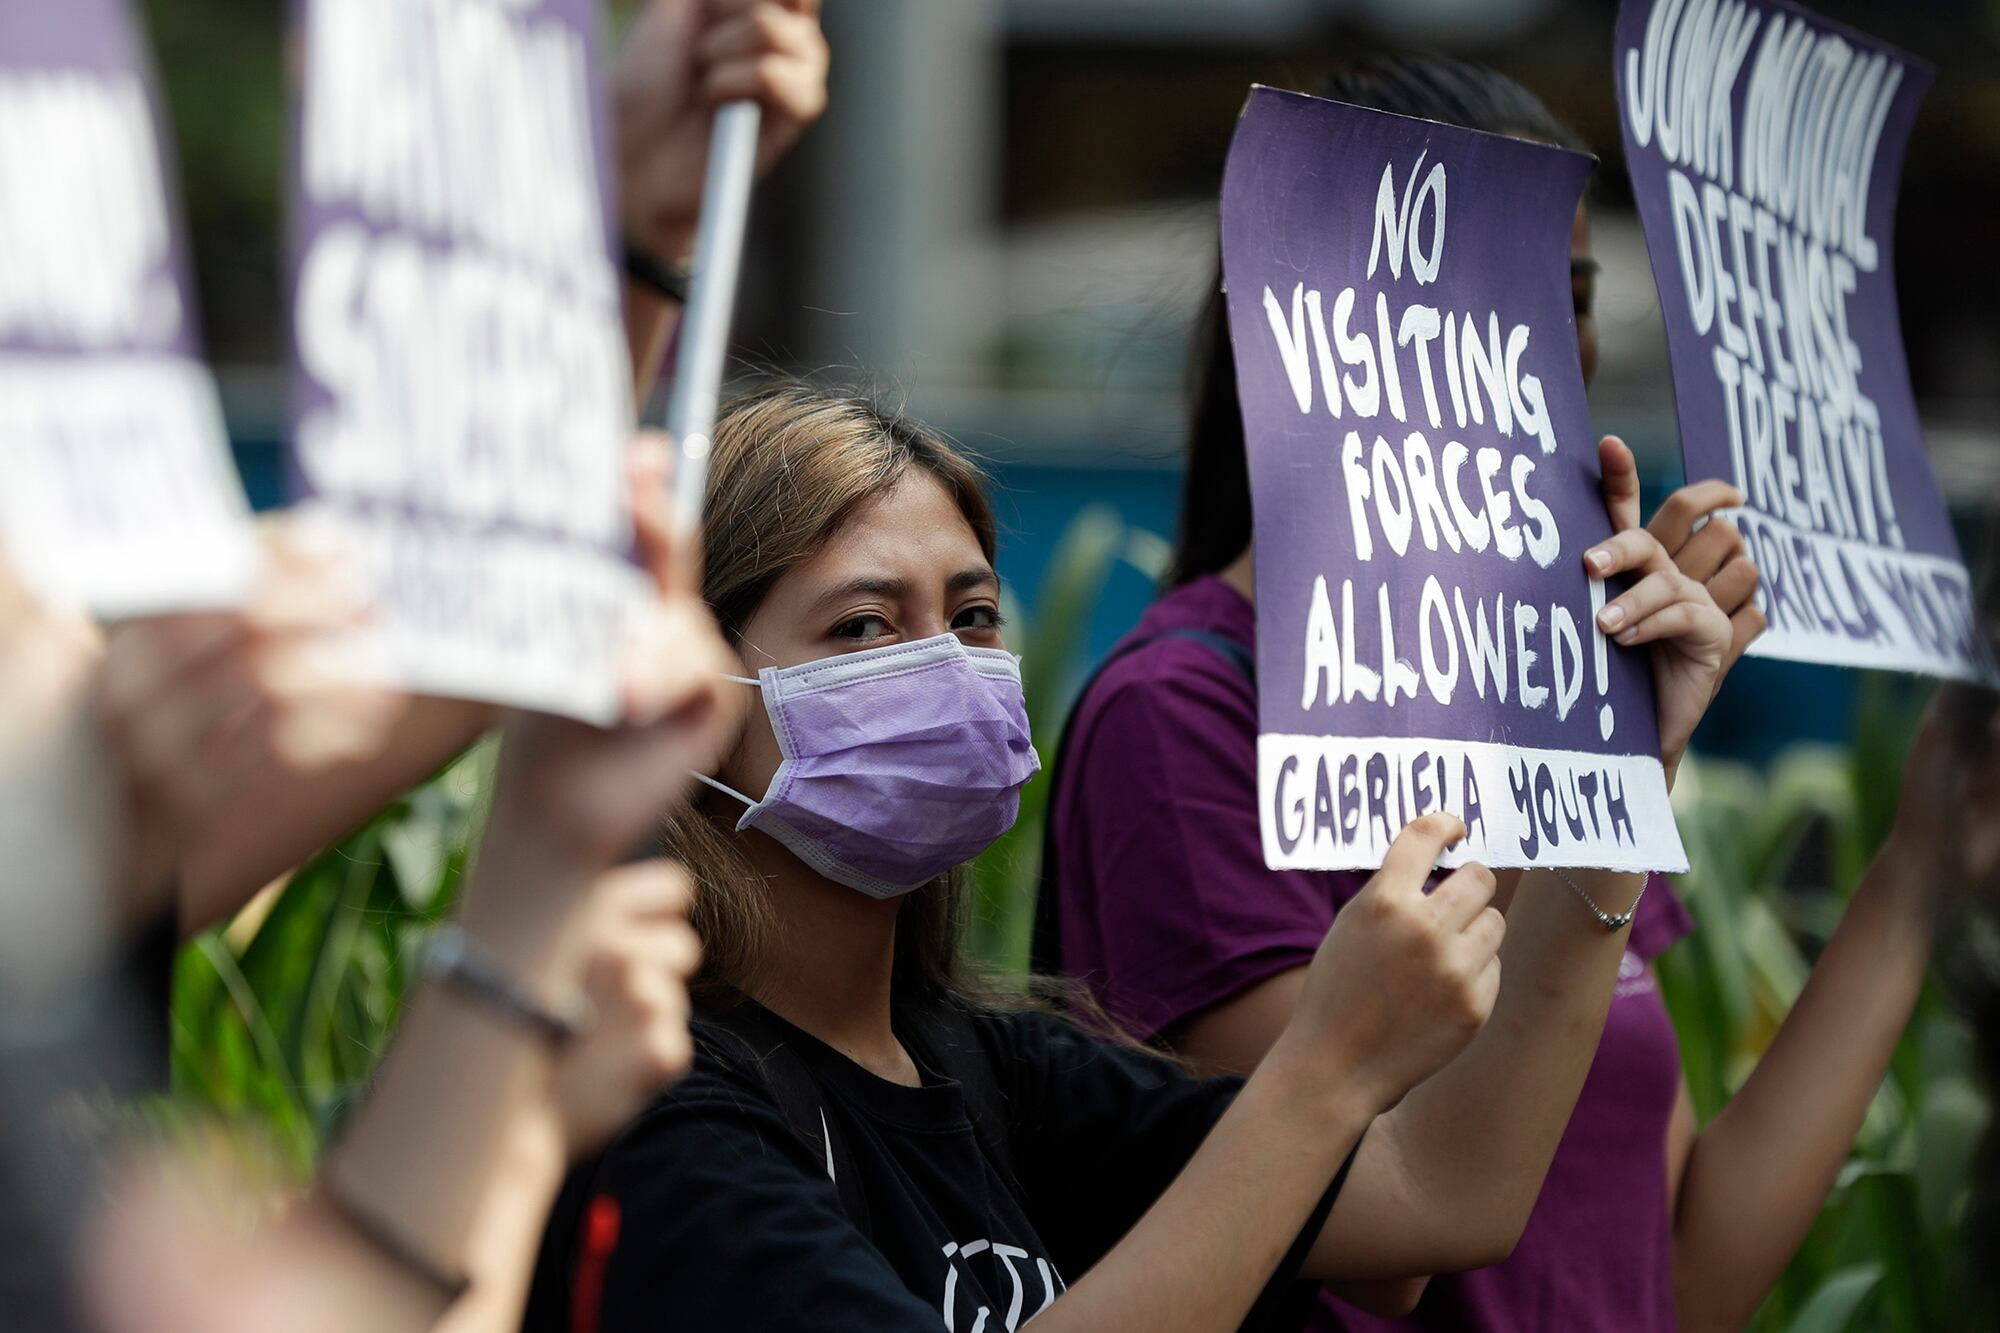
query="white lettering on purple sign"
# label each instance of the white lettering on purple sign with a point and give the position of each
(465, 396)
(1442, 495)
(1424, 486)
(1758, 137)
(119, 495)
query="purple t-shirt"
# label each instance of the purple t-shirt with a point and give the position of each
(1167, 909)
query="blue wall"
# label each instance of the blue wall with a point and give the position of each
(1035, 503)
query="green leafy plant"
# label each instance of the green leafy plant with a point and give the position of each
(279, 1017)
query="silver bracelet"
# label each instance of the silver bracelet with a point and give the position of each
(1609, 920)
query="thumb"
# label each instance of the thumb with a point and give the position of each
(1620, 484)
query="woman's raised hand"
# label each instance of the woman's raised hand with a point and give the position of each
(592, 794)
(1707, 549)
(188, 703)
(1405, 978)
(1714, 556)
(1668, 607)
(1947, 835)
(682, 59)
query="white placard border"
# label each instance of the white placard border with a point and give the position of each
(1901, 649)
(1568, 789)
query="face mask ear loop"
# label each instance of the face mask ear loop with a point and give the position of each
(722, 787)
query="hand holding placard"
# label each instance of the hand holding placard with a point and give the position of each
(198, 708)
(1765, 146)
(682, 66)
(680, 61)
(1672, 611)
(1407, 976)
(599, 792)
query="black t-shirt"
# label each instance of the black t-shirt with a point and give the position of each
(726, 1218)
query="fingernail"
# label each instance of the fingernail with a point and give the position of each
(1611, 617)
(1600, 559)
(1627, 637)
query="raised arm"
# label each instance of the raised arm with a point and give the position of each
(570, 801)
(1401, 982)
(1754, 1179)
(239, 754)
(477, 1087)
(275, 814)
(1451, 1176)
(451, 1165)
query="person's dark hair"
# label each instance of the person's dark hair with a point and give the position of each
(1215, 492)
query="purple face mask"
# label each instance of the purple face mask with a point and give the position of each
(899, 762)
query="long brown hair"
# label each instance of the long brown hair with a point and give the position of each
(792, 464)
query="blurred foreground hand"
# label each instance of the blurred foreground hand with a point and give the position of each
(199, 707)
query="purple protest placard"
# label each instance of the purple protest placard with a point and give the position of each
(1425, 481)
(117, 492)
(1765, 146)
(462, 395)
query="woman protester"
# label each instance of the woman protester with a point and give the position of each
(1646, 1221)
(868, 1142)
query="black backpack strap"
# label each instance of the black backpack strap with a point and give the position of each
(743, 1035)
(778, 1067)
(1045, 949)
(1221, 645)
(948, 1040)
